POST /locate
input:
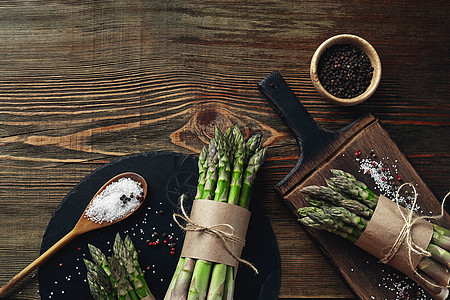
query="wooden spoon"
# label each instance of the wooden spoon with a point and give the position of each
(83, 225)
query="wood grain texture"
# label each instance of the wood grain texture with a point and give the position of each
(84, 82)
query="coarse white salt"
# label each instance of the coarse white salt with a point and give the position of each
(116, 201)
(382, 177)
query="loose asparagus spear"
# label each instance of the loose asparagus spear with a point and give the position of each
(124, 258)
(98, 281)
(128, 243)
(95, 288)
(124, 289)
(100, 259)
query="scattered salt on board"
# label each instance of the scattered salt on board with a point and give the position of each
(116, 201)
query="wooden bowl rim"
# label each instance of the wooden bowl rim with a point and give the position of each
(361, 44)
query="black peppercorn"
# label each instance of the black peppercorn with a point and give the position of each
(345, 71)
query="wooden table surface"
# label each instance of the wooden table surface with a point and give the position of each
(85, 82)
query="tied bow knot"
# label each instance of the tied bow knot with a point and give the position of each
(405, 234)
(226, 236)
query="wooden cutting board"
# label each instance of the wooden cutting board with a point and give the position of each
(322, 150)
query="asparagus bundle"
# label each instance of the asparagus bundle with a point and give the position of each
(118, 276)
(345, 207)
(227, 171)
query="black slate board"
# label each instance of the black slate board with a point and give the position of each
(168, 175)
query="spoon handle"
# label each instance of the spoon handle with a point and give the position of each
(39, 261)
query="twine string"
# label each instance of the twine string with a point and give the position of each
(226, 235)
(405, 234)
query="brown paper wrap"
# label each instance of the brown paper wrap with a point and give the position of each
(383, 229)
(207, 246)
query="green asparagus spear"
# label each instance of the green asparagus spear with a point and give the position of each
(430, 285)
(217, 284)
(252, 145)
(180, 265)
(228, 292)
(254, 164)
(134, 255)
(124, 258)
(441, 230)
(100, 259)
(352, 205)
(238, 169)
(435, 270)
(354, 189)
(212, 172)
(333, 228)
(181, 288)
(346, 216)
(439, 254)
(124, 289)
(202, 169)
(441, 237)
(224, 169)
(98, 281)
(327, 221)
(198, 289)
(350, 177)
(95, 288)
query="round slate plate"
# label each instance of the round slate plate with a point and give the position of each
(168, 175)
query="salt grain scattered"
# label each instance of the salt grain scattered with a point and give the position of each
(382, 178)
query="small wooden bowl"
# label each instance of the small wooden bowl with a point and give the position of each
(365, 47)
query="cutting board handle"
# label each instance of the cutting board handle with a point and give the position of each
(310, 136)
